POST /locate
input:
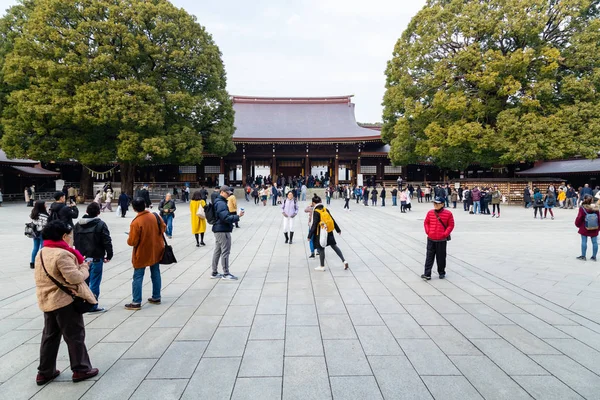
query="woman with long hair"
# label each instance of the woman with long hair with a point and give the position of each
(39, 217)
(538, 203)
(198, 224)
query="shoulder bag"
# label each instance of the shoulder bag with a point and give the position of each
(168, 256)
(449, 238)
(81, 305)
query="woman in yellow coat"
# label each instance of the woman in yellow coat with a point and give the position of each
(198, 224)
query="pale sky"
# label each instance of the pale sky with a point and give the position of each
(305, 47)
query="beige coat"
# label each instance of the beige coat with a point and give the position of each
(62, 265)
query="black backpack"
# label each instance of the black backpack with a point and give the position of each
(210, 213)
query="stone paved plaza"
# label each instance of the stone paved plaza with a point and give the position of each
(517, 317)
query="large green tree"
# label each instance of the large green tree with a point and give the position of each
(132, 81)
(495, 81)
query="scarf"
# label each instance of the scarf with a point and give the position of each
(61, 244)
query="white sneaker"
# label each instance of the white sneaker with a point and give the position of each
(319, 268)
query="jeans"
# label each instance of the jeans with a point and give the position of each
(274, 200)
(303, 196)
(328, 199)
(311, 244)
(168, 218)
(383, 202)
(476, 206)
(138, 279)
(594, 245)
(465, 205)
(95, 277)
(38, 243)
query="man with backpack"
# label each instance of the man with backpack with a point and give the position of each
(321, 232)
(222, 221)
(289, 209)
(60, 211)
(92, 239)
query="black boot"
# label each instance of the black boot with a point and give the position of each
(291, 237)
(287, 239)
(31, 265)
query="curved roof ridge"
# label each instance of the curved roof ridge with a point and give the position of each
(347, 99)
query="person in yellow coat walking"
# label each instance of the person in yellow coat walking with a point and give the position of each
(198, 224)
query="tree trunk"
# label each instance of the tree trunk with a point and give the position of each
(86, 184)
(127, 178)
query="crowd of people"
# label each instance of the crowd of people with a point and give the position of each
(69, 257)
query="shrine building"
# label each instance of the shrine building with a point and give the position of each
(300, 136)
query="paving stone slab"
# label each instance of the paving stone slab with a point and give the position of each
(301, 314)
(179, 360)
(164, 389)
(262, 358)
(211, 370)
(257, 388)
(336, 327)
(303, 341)
(523, 340)
(397, 378)
(272, 305)
(345, 357)
(403, 326)
(470, 326)
(511, 360)
(355, 388)
(364, 315)
(546, 388)
(305, 378)
(451, 342)
(451, 388)
(121, 380)
(199, 327)
(573, 374)
(228, 341)
(378, 341)
(488, 379)
(427, 358)
(268, 327)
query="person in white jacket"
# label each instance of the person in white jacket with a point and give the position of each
(289, 209)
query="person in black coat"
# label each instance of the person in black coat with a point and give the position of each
(92, 239)
(374, 197)
(315, 232)
(527, 197)
(124, 202)
(60, 210)
(144, 194)
(382, 195)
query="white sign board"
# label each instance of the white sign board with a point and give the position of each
(59, 183)
(359, 179)
(221, 179)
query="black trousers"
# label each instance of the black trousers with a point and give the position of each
(437, 251)
(68, 323)
(347, 205)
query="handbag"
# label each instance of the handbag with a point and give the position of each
(168, 256)
(31, 230)
(80, 304)
(200, 213)
(449, 238)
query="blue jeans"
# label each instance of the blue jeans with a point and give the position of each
(311, 244)
(584, 245)
(394, 199)
(168, 218)
(38, 243)
(95, 277)
(303, 196)
(476, 208)
(138, 279)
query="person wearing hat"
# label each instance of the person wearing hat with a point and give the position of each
(222, 230)
(439, 224)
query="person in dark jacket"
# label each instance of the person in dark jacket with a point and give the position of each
(394, 197)
(92, 239)
(167, 209)
(124, 202)
(315, 234)
(438, 224)
(222, 230)
(382, 195)
(215, 194)
(374, 197)
(145, 194)
(527, 197)
(366, 196)
(59, 210)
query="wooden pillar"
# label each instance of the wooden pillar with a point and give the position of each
(336, 170)
(274, 166)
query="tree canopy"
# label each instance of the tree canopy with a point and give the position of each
(132, 81)
(495, 81)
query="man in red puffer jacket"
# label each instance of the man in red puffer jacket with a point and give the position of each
(439, 224)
